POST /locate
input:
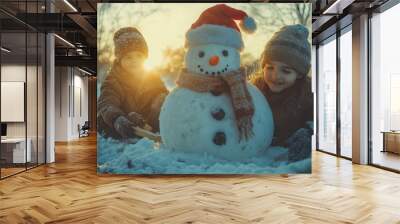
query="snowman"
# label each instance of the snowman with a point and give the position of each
(213, 110)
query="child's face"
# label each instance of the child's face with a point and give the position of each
(132, 62)
(279, 76)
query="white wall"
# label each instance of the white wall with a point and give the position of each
(33, 127)
(16, 73)
(80, 118)
(12, 73)
(70, 84)
(61, 103)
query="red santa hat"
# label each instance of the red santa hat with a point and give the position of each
(216, 25)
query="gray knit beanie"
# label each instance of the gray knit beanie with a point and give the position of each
(129, 39)
(290, 46)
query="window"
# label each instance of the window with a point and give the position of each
(346, 93)
(327, 96)
(385, 89)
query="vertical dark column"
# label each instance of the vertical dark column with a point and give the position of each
(338, 73)
(93, 100)
(69, 92)
(317, 96)
(0, 96)
(37, 86)
(45, 90)
(369, 96)
(60, 75)
(26, 86)
(73, 91)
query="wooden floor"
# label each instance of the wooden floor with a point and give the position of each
(5, 172)
(387, 159)
(10, 171)
(70, 191)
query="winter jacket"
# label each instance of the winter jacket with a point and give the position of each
(291, 108)
(122, 93)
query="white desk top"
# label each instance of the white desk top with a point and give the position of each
(13, 140)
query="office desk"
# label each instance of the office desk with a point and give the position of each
(13, 150)
(391, 141)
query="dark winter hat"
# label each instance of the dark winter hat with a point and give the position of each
(129, 39)
(289, 45)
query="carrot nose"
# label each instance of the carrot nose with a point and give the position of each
(213, 60)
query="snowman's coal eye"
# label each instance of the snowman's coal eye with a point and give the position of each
(225, 53)
(201, 54)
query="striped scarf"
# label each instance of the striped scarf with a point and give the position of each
(233, 83)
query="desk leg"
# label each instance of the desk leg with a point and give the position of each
(384, 142)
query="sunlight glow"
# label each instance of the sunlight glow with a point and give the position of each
(149, 65)
(154, 60)
(167, 26)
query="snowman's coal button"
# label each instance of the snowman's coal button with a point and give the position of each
(218, 114)
(219, 138)
(216, 92)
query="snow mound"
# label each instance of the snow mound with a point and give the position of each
(148, 157)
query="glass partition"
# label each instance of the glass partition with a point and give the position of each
(385, 89)
(13, 94)
(22, 88)
(346, 93)
(31, 100)
(327, 96)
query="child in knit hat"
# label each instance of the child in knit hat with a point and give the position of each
(129, 97)
(285, 62)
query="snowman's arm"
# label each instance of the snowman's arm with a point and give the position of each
(251, 69)
(146, 133)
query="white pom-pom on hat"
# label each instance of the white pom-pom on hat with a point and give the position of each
(248, 24)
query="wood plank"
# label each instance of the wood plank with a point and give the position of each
(70, 191)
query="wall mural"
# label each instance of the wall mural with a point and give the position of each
(196, 88)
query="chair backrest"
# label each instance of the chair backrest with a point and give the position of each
(86, 125)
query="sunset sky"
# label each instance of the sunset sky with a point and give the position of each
(164, 25)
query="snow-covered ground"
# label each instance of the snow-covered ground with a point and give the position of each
(148, 157)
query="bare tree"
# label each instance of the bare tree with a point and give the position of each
(303, 12)
(273, 16)
(111, 17)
